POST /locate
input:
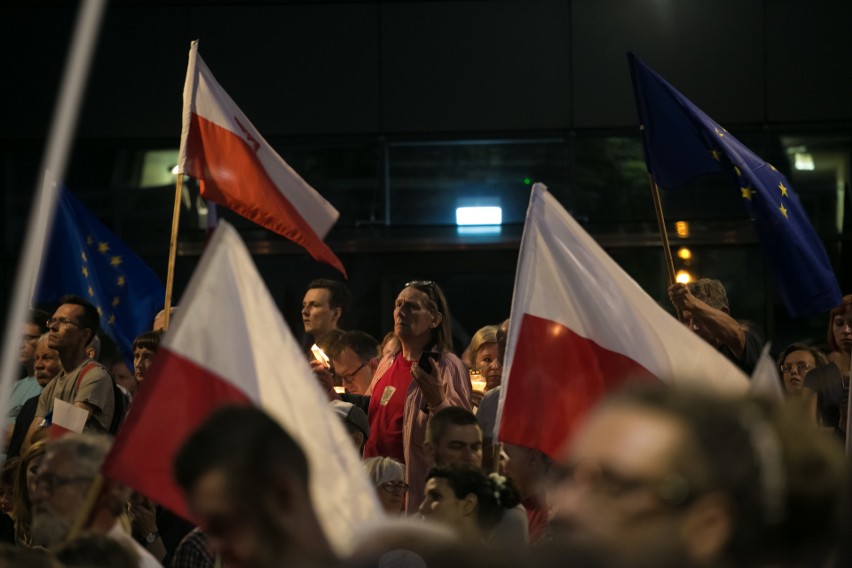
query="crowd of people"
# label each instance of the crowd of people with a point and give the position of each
(656, 476)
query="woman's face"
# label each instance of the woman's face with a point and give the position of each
(441, 505)
(32, 469)
(794, 368)
(392, 495)
(841, 327)
(488, 366)
(412, 318)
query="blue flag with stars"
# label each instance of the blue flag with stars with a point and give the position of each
(681, 143)
(85, 258)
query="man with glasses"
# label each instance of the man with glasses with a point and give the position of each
(61, 484)
(354, 359)
(83, 383)
(660, 477)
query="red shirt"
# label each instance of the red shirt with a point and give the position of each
(387, 404)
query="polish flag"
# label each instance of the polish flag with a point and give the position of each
(67, 419)
(581, 326)
(229, 344)
(237, 168)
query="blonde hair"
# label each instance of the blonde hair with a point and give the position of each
(482, 337)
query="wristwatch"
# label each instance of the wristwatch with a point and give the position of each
(151, 537)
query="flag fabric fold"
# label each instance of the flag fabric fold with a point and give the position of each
(229, 344)
(85, 258)
(681, 143)
(581, 326)
(765, 381)
(237, 168)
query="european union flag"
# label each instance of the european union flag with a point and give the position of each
(681, 142)
(83, 257)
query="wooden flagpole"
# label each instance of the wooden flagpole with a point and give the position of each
(661, 223)
(170, 277)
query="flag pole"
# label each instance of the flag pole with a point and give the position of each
(661, 223)
(170, 277)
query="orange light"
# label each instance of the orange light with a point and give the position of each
(682, 228)
(683, 276)
(684, 253)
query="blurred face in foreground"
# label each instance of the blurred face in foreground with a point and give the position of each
(612, 482)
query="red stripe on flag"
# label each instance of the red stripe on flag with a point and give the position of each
(230, 174)
(556, 377)
(160, 420)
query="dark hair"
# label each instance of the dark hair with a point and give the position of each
(339, 296)
(248, 446)
(845, 304)
(494, 493)
(363, 345)
(443, 334)
(446, 417)
(328, 342)
(90, 318)
(38, 317)
(819, 357)
(92, 550)
(148, 340)
(785, 479)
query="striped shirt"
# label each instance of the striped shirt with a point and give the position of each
(416, 414)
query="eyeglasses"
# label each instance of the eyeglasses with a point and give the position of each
(801, 366)
(62, 321)
(349, 377)
(51, 483)
(394, 487)
(673, 489)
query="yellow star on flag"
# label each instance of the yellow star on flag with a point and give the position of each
(116, 301)
(719, 132)
(716, 155)
(100, 311)
(771, 167)
(737, 170)
(783, 211)
(85, 272)
(83, 256)
(103, 247)
(120, 281)
(111, 320)
(747, 192)
(115, 261)
(91, 292)
(783, 189)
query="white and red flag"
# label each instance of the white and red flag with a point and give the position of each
(581, 326)
(237, 168)
(229, 344)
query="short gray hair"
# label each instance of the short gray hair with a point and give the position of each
(381, 470)
(87, 451)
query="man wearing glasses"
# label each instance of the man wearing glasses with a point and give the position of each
(354, 359)
(83, 383)
(61, 484)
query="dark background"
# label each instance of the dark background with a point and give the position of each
(398, 112)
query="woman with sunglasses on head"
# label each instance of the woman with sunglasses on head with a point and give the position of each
(414, 382)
